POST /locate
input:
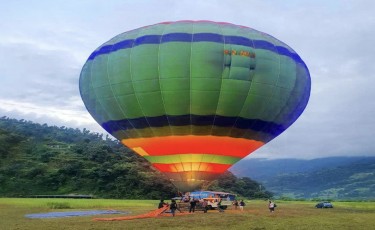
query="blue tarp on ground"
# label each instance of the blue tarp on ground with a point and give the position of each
(74, 213)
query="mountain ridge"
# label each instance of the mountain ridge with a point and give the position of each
(331, 177)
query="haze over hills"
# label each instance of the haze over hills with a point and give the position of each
(329, 178)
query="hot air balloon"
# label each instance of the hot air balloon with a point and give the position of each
(194, 97)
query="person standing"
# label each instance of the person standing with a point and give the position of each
(173, 207)
(204, 205)
(242, 204)
(220, 207)
(193, 203)
(271, 206)
(235, 204)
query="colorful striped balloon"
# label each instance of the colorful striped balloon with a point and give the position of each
(194, 97)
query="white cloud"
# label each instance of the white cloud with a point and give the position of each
(44, 45)
(76, 116)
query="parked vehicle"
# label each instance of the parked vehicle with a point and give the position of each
(324, 204)
(213, 198)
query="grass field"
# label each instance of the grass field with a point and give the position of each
(288, 215)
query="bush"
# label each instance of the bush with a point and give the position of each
(58, 205)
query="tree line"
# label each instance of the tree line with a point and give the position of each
(37, 159)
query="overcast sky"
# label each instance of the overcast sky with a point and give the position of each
(44, 44)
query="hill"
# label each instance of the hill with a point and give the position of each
(343, 178)
(39, 159)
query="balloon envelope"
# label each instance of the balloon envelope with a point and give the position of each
(194, 97)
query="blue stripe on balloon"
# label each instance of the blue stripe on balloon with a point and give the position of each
(198, 37)
(176, 37)
(208, 37)
(220, 121)
(147, 39)
(122, 45)
(236, 40)
(264, 45)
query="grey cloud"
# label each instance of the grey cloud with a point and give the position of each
(34, 74)
(334, 38)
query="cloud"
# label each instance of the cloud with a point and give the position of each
(76, 116)
(45, 44)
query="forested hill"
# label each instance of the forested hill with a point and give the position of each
(345, 178)
(39, 159)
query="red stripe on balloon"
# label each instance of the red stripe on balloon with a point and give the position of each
(218, 145)
(192, 166)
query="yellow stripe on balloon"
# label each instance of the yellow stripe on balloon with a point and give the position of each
(140, 151)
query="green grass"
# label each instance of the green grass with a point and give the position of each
(288, 215)
(58, 205)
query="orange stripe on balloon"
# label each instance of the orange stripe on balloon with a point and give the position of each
(193, 166)
(167, 145)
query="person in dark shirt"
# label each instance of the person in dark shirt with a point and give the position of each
(161, 204)
(242, 205)
(235, 204)
(193, 203)
(173, 207)
(220, 207)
